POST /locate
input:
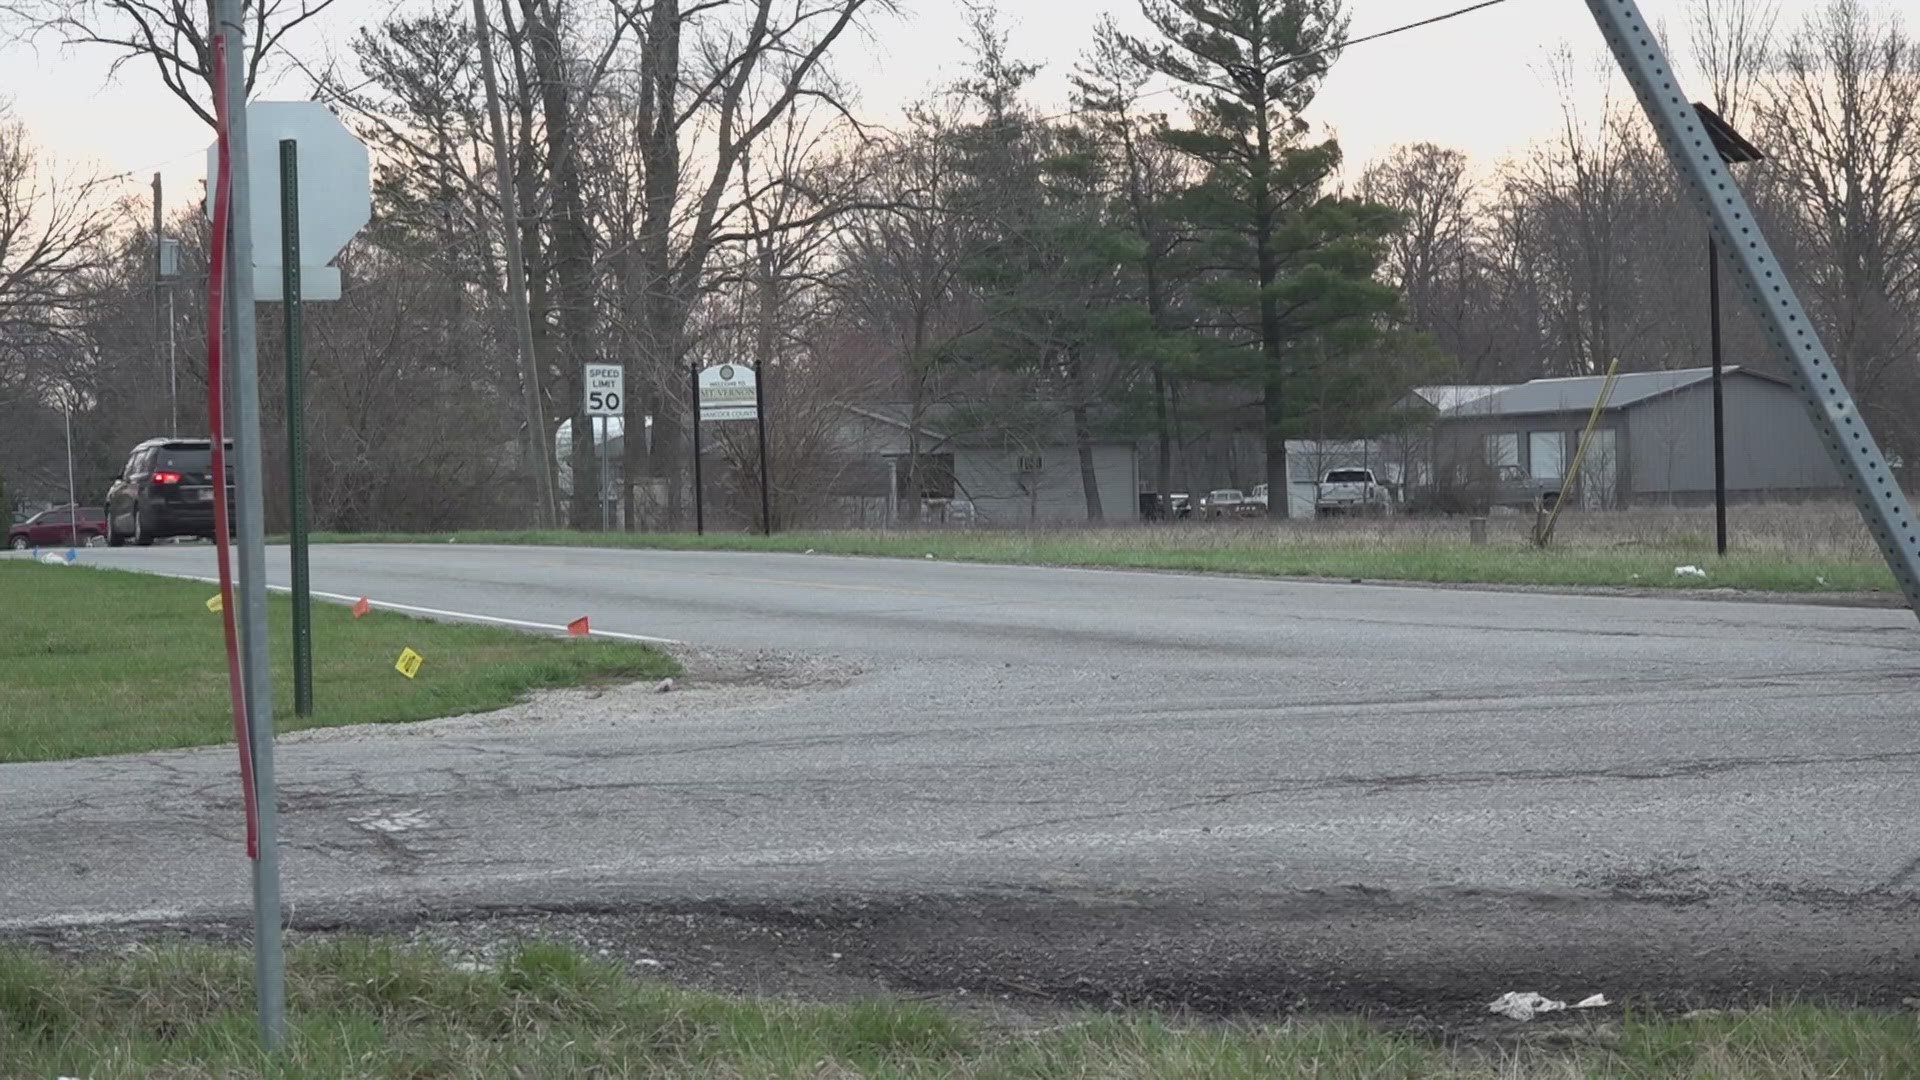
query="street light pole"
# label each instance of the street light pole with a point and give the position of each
(1733, 149)
(1719, 402)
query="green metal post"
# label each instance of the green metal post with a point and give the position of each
(296, 425)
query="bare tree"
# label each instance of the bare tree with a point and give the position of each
(1841, 109)
(170, 34)
(54, 224)
(1731, 40)
(711, 78)
(901, 262)
(1433, 191)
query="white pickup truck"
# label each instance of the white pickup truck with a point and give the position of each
(1350, 491)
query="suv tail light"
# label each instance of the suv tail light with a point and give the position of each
(166, 477)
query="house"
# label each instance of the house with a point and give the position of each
(1653, 442)
(1007, 473)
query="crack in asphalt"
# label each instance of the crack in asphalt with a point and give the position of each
(1383, 783)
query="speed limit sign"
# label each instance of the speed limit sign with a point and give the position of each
(606, 390)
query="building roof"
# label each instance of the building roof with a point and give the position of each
(1579, 393)
(1445, 398)
(952, 426)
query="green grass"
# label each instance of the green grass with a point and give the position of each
(104, 662)
(1341, 552)
(365, 1008)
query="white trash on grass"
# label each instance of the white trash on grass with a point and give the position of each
(1688, 571)
(1516, 1005)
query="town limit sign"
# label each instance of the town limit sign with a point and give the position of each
(335, 191)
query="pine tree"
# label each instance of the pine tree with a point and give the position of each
(1290, 265)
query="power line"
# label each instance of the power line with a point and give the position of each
(1376, 36)
(1397, 30)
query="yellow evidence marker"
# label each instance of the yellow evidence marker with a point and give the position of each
(409, 663)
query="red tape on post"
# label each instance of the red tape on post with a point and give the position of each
(216, 405)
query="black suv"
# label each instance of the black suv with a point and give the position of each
(165, 490)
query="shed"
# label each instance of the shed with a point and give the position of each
(1023, 474)
(1654, 440)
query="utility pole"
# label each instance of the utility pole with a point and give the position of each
(242, 330)
(517, 278)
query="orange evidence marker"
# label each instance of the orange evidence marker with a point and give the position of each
(578, 627)
(361, 607)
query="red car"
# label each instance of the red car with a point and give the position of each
(57, 528)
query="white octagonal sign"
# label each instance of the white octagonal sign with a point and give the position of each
(335, 193)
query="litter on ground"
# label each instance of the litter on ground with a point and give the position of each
(1518, 1005)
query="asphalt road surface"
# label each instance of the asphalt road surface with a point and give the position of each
(1268, 793)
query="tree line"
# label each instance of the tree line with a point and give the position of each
(1173, 256)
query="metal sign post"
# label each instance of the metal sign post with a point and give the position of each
(1689, 143)
(269, 963)
(726, 392)
(335, 204)
(296, 426)
(73, 500)
(766, 482)
(699, 493)
(606, 397)
(1719, 399)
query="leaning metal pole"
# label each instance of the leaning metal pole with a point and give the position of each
(1761, 277)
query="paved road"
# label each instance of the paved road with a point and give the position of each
(1046, 729)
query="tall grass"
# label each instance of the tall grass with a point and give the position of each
(365, 1008)
(1812, 548)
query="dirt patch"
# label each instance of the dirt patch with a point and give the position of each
(1428, 961)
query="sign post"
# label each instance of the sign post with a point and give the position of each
(296, 427)
(336, 202)
(699, 506)
(605, 386)
(766, 483)
(728, 392)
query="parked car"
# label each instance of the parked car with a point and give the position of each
(1350, 491)
(59, 527)
(1180, 505)
(1256, 504)
(166, 489)
(1514, 486)
(1223, 502)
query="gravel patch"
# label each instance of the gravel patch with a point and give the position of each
(713, 681)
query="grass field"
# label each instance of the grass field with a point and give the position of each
(103, 662)
(362, 1008)
(1820, 548)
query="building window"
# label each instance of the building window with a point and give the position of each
(1547, 454)
(1503, 450)
(936, 477)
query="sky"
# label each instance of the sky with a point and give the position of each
(1478, 83)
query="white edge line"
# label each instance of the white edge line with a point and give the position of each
(463, 616)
